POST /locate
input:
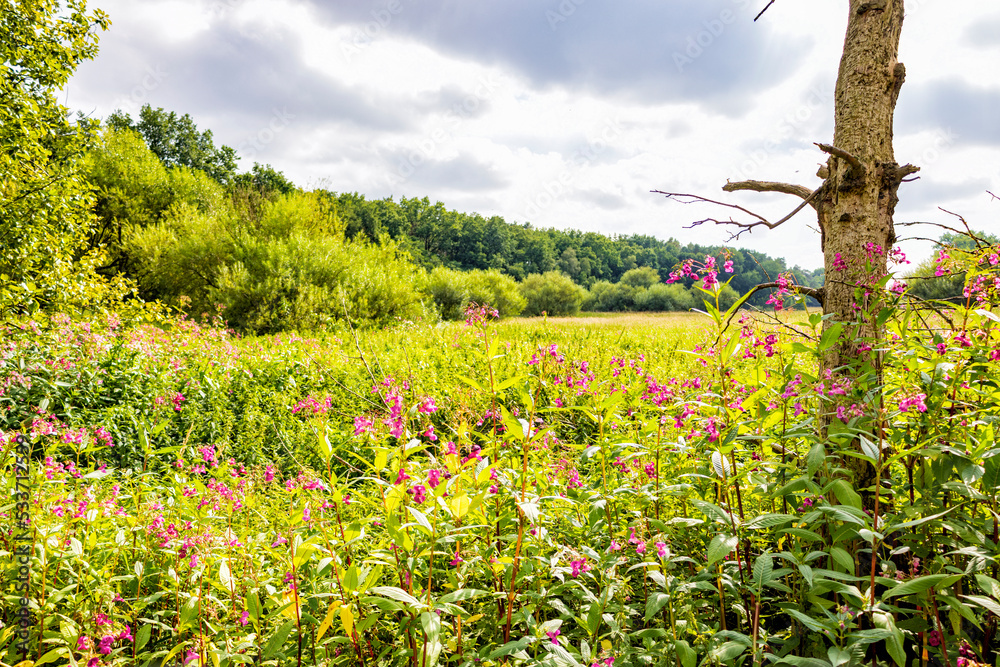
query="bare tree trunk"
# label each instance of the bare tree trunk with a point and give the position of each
(857, 200)
(854, 205)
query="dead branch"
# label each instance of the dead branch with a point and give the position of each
(992, 195)
(763, 10)
(743, 226)
(769, 186)
(980, 242)
(844, 155)
(904, 171)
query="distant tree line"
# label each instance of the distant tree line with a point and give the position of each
(176, 217)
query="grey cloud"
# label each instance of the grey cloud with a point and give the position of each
(984, 33)
(925, 194)
(243, 78)
(968, 113)
(429, 175)
(604, 200)
(709, 51)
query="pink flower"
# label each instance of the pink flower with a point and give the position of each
(244, 619)
(578, 566)
(661, 549)
(728, 266)
(615, 546)
(915, 401)
(640, 548)
(362, 425)
(83, 643)
(419, 493)
(427, 406)
(191, 656)
(126, 634)
(554, 636)
(433, 478)
(401, 477)
(105, 646)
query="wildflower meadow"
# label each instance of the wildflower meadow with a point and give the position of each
(637, 490)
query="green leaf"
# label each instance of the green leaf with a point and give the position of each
(991, 475)
(687, 655)
(727, 651)
(278, 639)
(421, 519)
(808, 621)
(984, 602)
(769, 520)
(54, 654)
(594, 618)
(893, 643)
(845, 494)
(720, 547)
(463, 594)
(654, 603)
(510, 647)
(763, 568)
(815, 458)
(396, 593)
(838, 656)
(142, 635)
(843, 559)
(918, 585)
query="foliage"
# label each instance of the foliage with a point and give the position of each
(176, 141)
(551, 292)
(289, 269)
(44, 204)
(453, 291)
(536, 492)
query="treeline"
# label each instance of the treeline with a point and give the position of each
(176, 218)
(436, 236)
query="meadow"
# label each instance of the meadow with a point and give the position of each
(629, 490)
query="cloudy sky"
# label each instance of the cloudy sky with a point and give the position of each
(562, 113)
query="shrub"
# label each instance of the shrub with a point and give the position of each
(452, 291)
(661, 298)
(553, 293)
(644, 276)
(496, 289)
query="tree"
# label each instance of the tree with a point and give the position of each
(177, 142)
(856, 199)
(44, 203)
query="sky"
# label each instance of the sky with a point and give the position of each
(562, 113)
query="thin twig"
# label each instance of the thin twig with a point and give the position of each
(763, 10)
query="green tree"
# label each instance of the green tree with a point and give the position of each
(553, 293)
(644, 276)
(177, 142)
(45, 205)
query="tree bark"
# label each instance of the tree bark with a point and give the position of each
(856, 205)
